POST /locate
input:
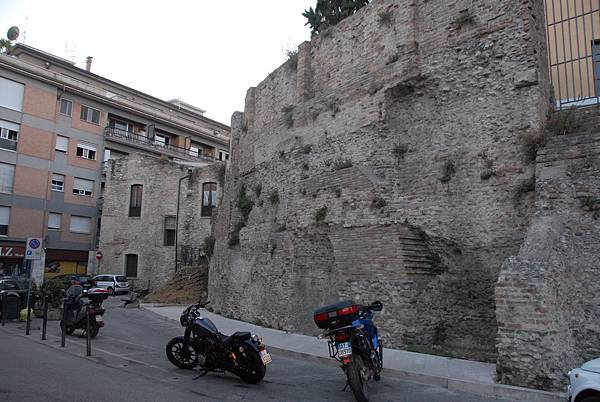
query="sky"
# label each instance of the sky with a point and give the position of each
(207, 53)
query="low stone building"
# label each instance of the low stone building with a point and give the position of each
(139, 236)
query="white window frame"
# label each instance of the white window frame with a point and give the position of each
(52, 223)
(58, 182)
(165, 140)
(86, 150)
(80, 220)
(69, 107)
(83, 191)
(67, 144)
(223, 155)
(89, 115)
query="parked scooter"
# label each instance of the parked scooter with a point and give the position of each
(353, 341)
(76, 308)
(203, 345)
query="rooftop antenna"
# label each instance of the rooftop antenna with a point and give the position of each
(25, 30)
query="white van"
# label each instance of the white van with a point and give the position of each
(113, 283)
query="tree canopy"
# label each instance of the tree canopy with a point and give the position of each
(329, 12)
(5, 45)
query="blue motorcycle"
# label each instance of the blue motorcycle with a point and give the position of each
(353, 341)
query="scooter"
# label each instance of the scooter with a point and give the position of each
(77, 308)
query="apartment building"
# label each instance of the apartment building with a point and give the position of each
(58, 125)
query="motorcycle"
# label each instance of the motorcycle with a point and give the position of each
(354, 342)
(203, 345)
(77, 308)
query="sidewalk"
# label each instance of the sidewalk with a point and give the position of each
(457, 374)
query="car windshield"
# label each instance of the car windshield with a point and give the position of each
(83, 278)
(121, 279)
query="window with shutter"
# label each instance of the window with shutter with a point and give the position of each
(9, 135)
(4, 220)
(7, 174)
(170, 227)
(80, 224)
(54, 221)
(86, 151)
(11, 94)
(62, 143)
(83, 187)
(209, 198)
(135, 200)
(58, 182)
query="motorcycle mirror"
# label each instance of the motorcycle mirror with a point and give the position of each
(376, 306)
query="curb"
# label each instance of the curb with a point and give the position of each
(493, 390)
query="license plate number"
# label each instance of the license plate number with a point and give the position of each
(98, 318)
(344, 349)
(265, 357)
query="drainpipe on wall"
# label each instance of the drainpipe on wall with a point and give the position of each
(177, 215)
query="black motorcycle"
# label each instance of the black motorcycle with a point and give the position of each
(203, 345)
(77, 308)
(354, 342)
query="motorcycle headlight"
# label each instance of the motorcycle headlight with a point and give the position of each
(183, 320)
(256, 338)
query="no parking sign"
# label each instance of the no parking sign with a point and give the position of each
(34, 248)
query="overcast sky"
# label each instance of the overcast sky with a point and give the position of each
(208, 53)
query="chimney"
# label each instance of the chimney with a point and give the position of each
(88, 63)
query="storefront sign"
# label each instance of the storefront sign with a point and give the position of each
(12, 251)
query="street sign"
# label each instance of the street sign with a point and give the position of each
(98, 255)
(34, 248)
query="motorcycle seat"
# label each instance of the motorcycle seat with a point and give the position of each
(239, 336)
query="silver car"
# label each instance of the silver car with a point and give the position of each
(584, 382)
(113, 283)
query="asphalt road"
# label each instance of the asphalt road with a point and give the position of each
(128, 364)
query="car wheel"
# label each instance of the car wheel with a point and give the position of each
(591, 398)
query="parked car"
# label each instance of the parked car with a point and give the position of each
(76, 279)
(10, 284)
(584, 382)
(113, 283)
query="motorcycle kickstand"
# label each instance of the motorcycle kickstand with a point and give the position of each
(346, 386)
(204, 372)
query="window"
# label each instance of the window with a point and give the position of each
(7, 174)
(9, 135)
(66, 107)
(223, 156)
(62, 143)
(81, 224)
(162, 140)
(86, 151)
(11, 94)
(4, 220)
(54, 221)
(83, 186)
(209, 198)
(90, 115)
(131, 263)
(169, 238)
(135, 200)
(194, 150)
(58, 182)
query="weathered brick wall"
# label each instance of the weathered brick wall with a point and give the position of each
(407, 125)
(547, 296)
(121, 234)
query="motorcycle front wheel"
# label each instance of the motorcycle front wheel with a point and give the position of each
(358, 375)
(184, 357)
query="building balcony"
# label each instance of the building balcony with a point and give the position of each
(147, 144)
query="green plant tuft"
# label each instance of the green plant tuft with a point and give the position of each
(342, 164)
(378, 203)
(385, 17)
(306, 149)
(258, 189)
(399, 150)
(274, 197)
(244, 203)
(208, 246)
(321, 214)
(448, 170)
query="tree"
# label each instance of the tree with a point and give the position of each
(5, 45)
(329, 12)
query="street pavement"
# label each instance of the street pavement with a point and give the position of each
(128, 363)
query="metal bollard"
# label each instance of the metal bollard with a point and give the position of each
(64, 326)
(3, 301)
(88, 340)
(45, 319)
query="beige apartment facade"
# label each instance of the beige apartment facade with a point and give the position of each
(59, 124)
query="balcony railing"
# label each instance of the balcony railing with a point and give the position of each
(145, 142)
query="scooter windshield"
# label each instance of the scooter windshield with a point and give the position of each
(74, 291)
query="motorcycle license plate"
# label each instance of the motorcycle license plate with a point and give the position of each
(98, 318)
(344, 349)
(265, 357)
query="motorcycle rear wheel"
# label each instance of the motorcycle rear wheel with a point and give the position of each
(179, 356)
(253, 370)
(358, 375)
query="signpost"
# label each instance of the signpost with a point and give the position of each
(33, 251)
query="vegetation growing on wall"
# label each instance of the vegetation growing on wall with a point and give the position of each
(329, 12)
(448, 170)
(208, 246)
(321, 214)
(244, 203)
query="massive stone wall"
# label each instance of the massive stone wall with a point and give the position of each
(547, 296)
(144, 236)
(390, 157)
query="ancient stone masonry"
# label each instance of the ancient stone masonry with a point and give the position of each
(145, 235)
(387, 163)
(547, 298)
